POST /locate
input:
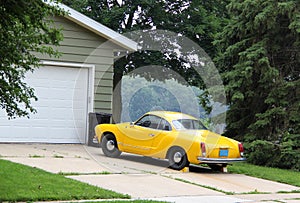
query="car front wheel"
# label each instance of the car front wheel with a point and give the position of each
(177, 158)
(109, 146)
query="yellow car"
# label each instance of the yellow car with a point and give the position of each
(180, 138)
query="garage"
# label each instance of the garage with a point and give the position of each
(63, 92)
(72, 86)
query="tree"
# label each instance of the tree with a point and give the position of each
(197, 20)
(23, 31)
(261, 68)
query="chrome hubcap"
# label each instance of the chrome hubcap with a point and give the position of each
(110, 145)
(177, 157)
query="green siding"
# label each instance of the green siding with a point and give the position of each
(106, 83)
(83, 46)
(103, 97)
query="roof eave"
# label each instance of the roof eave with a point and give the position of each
(99, 29)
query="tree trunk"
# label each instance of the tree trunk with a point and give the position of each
(117, 97)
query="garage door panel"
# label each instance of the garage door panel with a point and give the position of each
(42, 95)
(59, 103)
(63, 84)
(43, 113)
(62, 124)
(19, 122)
(78, 104)
(40, 89)
(39, 132)
(20, 131)
(40, 123)
(61, 108)
(5, 130)
(63, 94)
(61, 113)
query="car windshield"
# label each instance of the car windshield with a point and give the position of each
(188, 124)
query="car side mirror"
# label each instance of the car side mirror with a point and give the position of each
(131, 124)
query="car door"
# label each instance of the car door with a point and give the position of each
(139, 136)
(163, 139)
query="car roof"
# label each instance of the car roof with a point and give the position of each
(171, 115)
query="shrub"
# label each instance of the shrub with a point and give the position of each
(289, 160)
(261, 152)
(265, 153)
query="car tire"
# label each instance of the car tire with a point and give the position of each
(177, 158)
(109, 146)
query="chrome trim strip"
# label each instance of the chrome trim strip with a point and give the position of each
(219, 160)
(133, 146)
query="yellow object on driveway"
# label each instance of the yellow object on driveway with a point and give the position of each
(178, 137)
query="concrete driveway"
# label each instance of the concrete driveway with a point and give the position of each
(146, 178)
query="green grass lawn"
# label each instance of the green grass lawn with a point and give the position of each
(275, 174)
(23, 183)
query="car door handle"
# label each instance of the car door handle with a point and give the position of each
(151, 135)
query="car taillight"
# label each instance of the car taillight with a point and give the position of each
(203, 149)
(241, 149)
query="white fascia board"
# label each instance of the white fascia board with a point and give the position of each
(99, 29)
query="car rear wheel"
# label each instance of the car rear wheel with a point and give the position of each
(109, 146)
(177, 158)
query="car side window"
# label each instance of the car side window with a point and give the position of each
(154, 122)
(164, 125)
(188, 124)
(149, 121)
(143, 121)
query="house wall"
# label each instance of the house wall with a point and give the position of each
(83, 46)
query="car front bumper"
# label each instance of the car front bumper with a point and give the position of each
(219, 160)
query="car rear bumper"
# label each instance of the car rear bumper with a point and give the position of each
(219, 160)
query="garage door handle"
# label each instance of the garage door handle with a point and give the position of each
(151, 135)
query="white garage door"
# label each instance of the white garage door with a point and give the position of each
(61, 108)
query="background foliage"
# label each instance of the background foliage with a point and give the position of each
(260, 62)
